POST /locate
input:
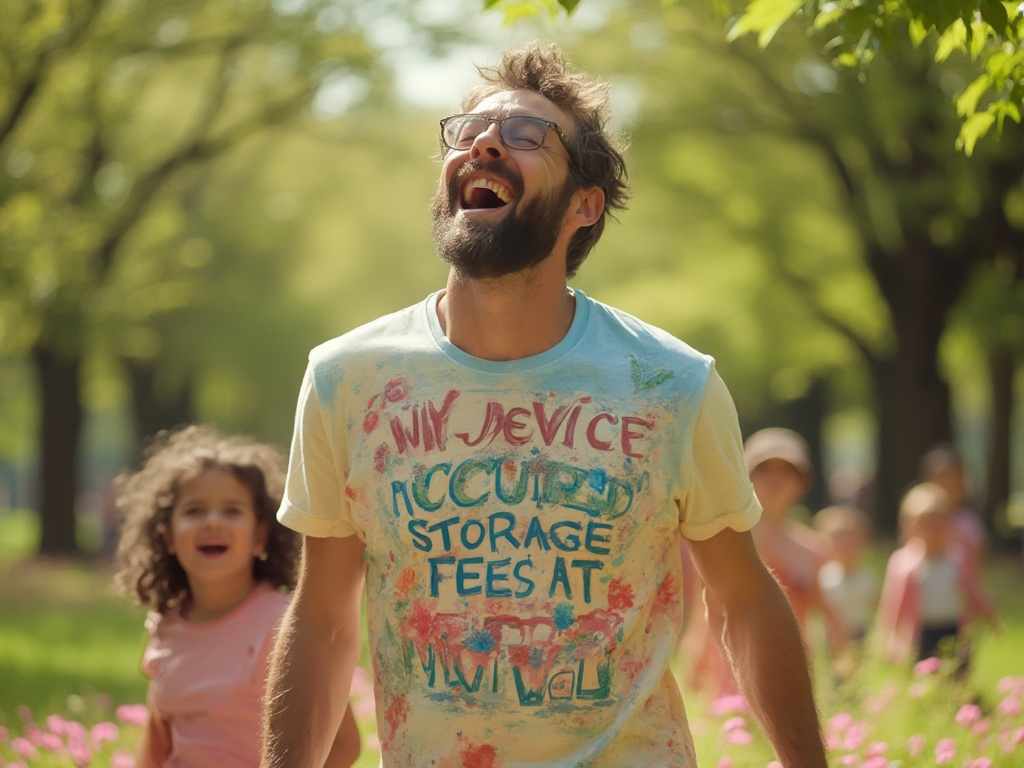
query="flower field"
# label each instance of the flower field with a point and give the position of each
(70, 690)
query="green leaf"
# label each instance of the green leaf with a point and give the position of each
(974, 128)
(917, 32)
(569, 5)
(952, 39)
(967, 102)
(764, 17)
(993, 12)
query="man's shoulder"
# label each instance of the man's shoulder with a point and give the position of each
(385, 334)
(643, 335)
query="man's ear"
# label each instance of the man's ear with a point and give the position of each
(589, 205)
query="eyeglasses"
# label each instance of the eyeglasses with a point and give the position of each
(458, 132)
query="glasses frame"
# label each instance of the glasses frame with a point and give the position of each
(551, 124)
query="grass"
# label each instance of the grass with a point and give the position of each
(70, 646)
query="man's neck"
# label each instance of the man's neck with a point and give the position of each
(510, 318)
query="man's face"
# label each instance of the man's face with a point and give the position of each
(498, 211)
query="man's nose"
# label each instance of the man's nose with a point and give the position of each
(488, 143)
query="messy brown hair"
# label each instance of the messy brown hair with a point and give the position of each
(598, 160)
(147, 572)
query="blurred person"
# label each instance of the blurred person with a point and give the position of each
(506, 470)
(779, 465)
(848, 583)
(944, 465)
(200, 546)
(930, 596)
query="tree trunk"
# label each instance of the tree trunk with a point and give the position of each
(59, 438)
(913, 407)
(152, 409)
(997, 486)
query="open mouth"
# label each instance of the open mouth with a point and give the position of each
(482, 194)
(213, 549)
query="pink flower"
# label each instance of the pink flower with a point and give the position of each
(733, 723)
(945, 751)
(1011, 684)
(80, 753)
(876, 761)
(854, 736)
(852, 760)
(915, 744)
(1009, 706)
(724, 762)
(122, 760)
(25, 748)
(774, 764)
(967, 714)
(4, 735)
(739, 736)
(927, 666)
(876, 748)
(980, 762)
(50, 741)
(104, 732)
(980, 728)
(840, 721)
(132, 714)
(725, 705)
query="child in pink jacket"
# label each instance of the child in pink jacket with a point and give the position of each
(930, 594)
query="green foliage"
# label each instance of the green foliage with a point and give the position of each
(986, 32)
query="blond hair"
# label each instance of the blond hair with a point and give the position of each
(922, 500)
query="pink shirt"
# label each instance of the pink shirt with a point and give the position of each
(207, 680)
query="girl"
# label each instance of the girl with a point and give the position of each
(201, 547)
(929, 594)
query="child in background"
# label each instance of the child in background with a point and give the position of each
(929, 594)
(943, 465)
(847, 583)
(201, 547)
(780, 469)
(779, 464)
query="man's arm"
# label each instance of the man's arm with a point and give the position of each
(315, 656)
(748, 610)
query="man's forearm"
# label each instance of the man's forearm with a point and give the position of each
(768, 657)
(307, 692)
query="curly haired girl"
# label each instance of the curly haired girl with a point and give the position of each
(202, 548)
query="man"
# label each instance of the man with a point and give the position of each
(510, 466)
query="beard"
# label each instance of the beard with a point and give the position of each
(522, 239)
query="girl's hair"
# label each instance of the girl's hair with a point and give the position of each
(147, 572)
(597, 156)
(832, 520)
(923, 499)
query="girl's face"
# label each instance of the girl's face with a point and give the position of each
(779, 486)
(214, 529)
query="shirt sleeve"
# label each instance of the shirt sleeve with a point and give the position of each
(314, 501)
(719, 493)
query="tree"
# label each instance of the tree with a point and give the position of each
(988, 32)
(925, 217)
(105, 108)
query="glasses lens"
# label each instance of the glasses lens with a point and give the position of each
(523, 132)
(461, 130)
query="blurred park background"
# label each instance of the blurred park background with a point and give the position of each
(193, 193)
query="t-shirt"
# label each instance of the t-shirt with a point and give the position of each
(941, 597)
(521, 521)
(207, 680)
(854, 595)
